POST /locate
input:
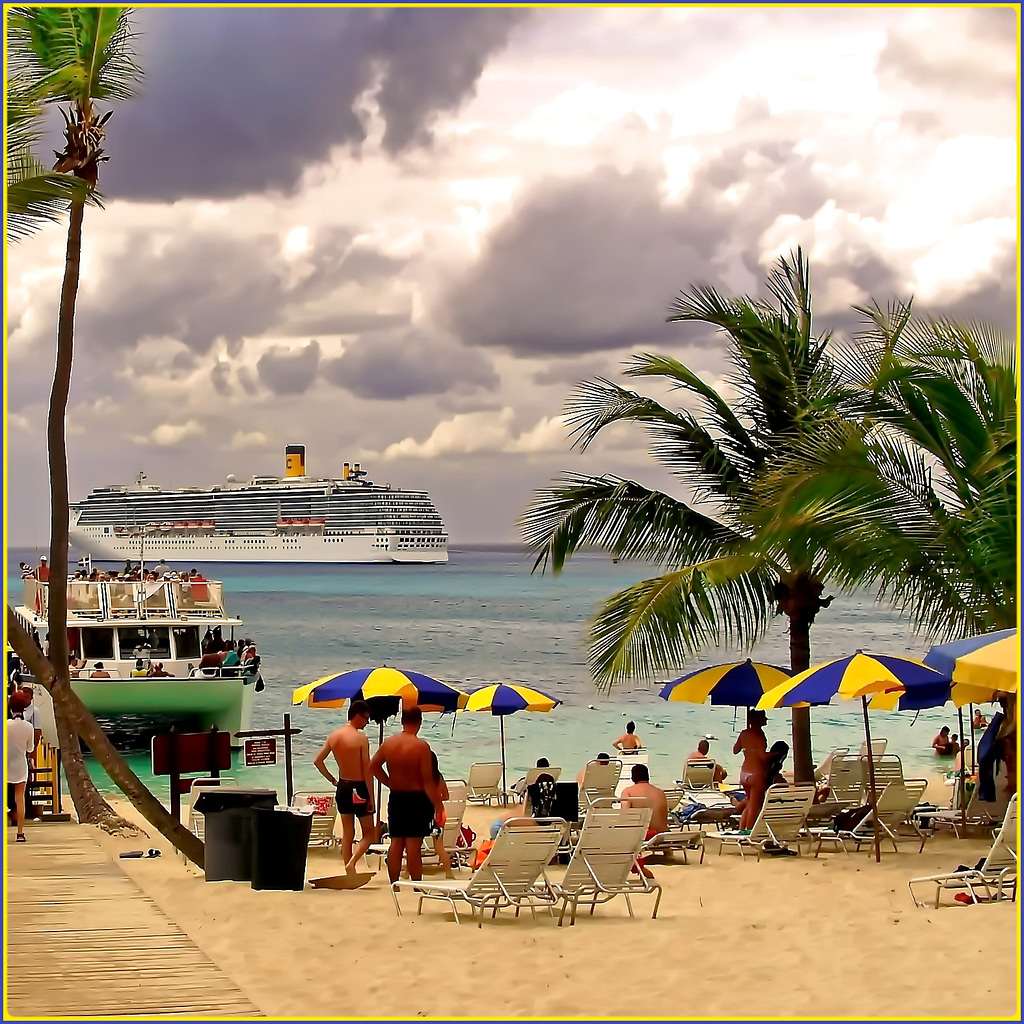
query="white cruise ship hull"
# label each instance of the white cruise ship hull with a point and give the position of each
(104, 545)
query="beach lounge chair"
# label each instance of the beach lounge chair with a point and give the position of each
(698, 775)
(877, 748)
(511, 876)
(846, 779)
(325, 816)
(602, 861)
(994, 879)
(599, 781)
(978, 813)
(822, 771)
(888, 768)
(682, 840)
(782, 822)
(484, 782)
(458, 789)
(894, 814)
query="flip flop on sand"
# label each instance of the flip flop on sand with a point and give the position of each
(353, 881)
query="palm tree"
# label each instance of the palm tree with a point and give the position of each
(79, 56)
(918, 482)
(722, 584)
(34, 195)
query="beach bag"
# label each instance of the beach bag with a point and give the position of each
(466, 837)
(481, 854)
(850, 818)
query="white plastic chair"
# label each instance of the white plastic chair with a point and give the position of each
(484, 782)
(322, 831)
(602, 861)
(599, 781)
(995, 879)
(512, 876)
(782, 821)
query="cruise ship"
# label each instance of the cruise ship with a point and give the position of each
(294, 518)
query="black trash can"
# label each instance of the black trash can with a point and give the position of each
(229, 829)
(281, 839)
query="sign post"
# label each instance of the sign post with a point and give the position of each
(176, 753)
(264, 751)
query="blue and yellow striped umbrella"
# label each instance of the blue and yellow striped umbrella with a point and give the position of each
(980, 665)
(506, 699)
(886, 680)
(366, 683)
(739, 684)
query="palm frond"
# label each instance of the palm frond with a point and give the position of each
(654, 626)
(621, 517)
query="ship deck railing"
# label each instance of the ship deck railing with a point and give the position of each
(183, 600)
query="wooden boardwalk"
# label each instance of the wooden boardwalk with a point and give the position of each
(60, 963)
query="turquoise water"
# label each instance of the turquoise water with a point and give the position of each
(483, 618)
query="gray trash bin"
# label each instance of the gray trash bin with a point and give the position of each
(229, 829)
(280, 842)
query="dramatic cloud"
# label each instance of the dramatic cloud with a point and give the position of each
(238, 100)
(288, 372)
(409, 364)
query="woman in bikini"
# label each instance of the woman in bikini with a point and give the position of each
(754, 745)
(437, 833)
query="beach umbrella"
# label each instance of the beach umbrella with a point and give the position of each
(384, 689)
(506, 699)
(980, 665)
(736, 684)
(883, 679)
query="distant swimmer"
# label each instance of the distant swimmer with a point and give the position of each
(629, 739)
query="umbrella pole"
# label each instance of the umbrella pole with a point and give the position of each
(974, 763)
(961, 781)
(504, 791)
(871, 783)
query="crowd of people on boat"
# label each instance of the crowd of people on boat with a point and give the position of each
(132, 572)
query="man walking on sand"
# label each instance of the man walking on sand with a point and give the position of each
(354, 784)
(402, 763)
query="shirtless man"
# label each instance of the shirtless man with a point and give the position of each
(402, 763)
(643, 794)
(354, 795)
(629, 739)
(702, 753)
(754, 745)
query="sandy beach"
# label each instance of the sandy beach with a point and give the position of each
(833, 937)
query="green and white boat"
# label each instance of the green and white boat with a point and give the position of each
(115, 623)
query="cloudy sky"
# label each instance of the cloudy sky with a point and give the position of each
(401, 236)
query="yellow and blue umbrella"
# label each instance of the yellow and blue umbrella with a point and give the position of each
(370, 683)
(884, 679)
(737, 684)
(384, 689)
(505, 699)
(979, 665)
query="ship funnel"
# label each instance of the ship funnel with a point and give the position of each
(295, 460)
(345, 470)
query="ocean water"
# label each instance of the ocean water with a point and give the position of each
(485, 617)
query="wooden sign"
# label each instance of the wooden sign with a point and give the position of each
(178, 753)
(260, 752)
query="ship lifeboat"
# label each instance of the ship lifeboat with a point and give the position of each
(317, 522)
(165, 526)
(177, 526)
(210, 524)
(301, 522)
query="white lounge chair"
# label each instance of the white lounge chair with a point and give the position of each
(782, 822)
(822, 771)
(322, 830)
(978, 813)
(894, 814)
(698, 775)
(877, 747)
(846, 779)
(458, 789)
(484, 782)
(888, 768)
(994, 879)
(599, 781)
(511, 876)
(601, 864)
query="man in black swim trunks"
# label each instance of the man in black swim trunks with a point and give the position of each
(402, 763)
(354, 784)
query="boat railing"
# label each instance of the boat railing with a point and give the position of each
(132, 599)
